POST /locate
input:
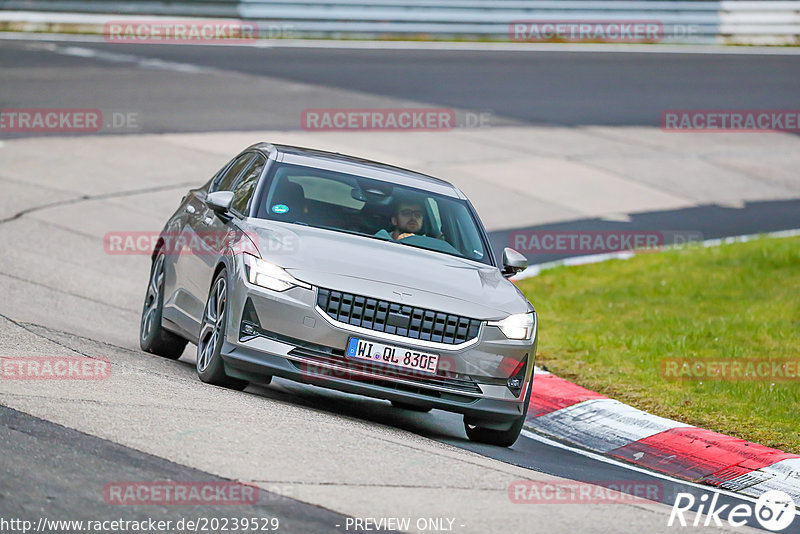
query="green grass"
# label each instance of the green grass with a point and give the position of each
(607, 327)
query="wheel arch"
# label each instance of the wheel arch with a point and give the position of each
(221, 264)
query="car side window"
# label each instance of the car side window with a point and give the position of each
(225, 181)
(244, 188)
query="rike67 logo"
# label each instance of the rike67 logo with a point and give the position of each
(774, 510)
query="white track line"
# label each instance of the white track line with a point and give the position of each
(142, 62)
(131, 59)
(447, 45)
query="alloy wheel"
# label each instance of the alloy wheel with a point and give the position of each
(211, 329)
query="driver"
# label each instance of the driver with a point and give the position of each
(407, 220)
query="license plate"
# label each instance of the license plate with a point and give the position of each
(361, 349)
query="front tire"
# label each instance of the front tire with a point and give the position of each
(501, 438)
(152, 336)
(210, 367)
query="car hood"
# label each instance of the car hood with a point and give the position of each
(388, 271)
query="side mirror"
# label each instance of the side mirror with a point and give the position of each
(220, 202)
(513, 262)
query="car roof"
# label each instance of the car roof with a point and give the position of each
(335, 161)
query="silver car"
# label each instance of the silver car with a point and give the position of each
(349, 274)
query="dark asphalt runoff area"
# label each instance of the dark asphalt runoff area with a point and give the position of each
(676, 227)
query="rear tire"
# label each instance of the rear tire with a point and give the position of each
(501, 438)
(210, 367)
(153, 337)
(411, 407)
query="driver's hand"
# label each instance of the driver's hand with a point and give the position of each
(403, 236)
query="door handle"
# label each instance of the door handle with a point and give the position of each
(190, 209)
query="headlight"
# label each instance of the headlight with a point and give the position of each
(518, 326)
(265, 274)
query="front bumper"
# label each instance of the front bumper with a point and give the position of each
(296, 340)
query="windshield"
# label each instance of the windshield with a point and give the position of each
(372, 208)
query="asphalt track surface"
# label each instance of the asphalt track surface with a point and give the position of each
(555, 88)
(264, 90)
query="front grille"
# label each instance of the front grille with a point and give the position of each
(398, 319)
